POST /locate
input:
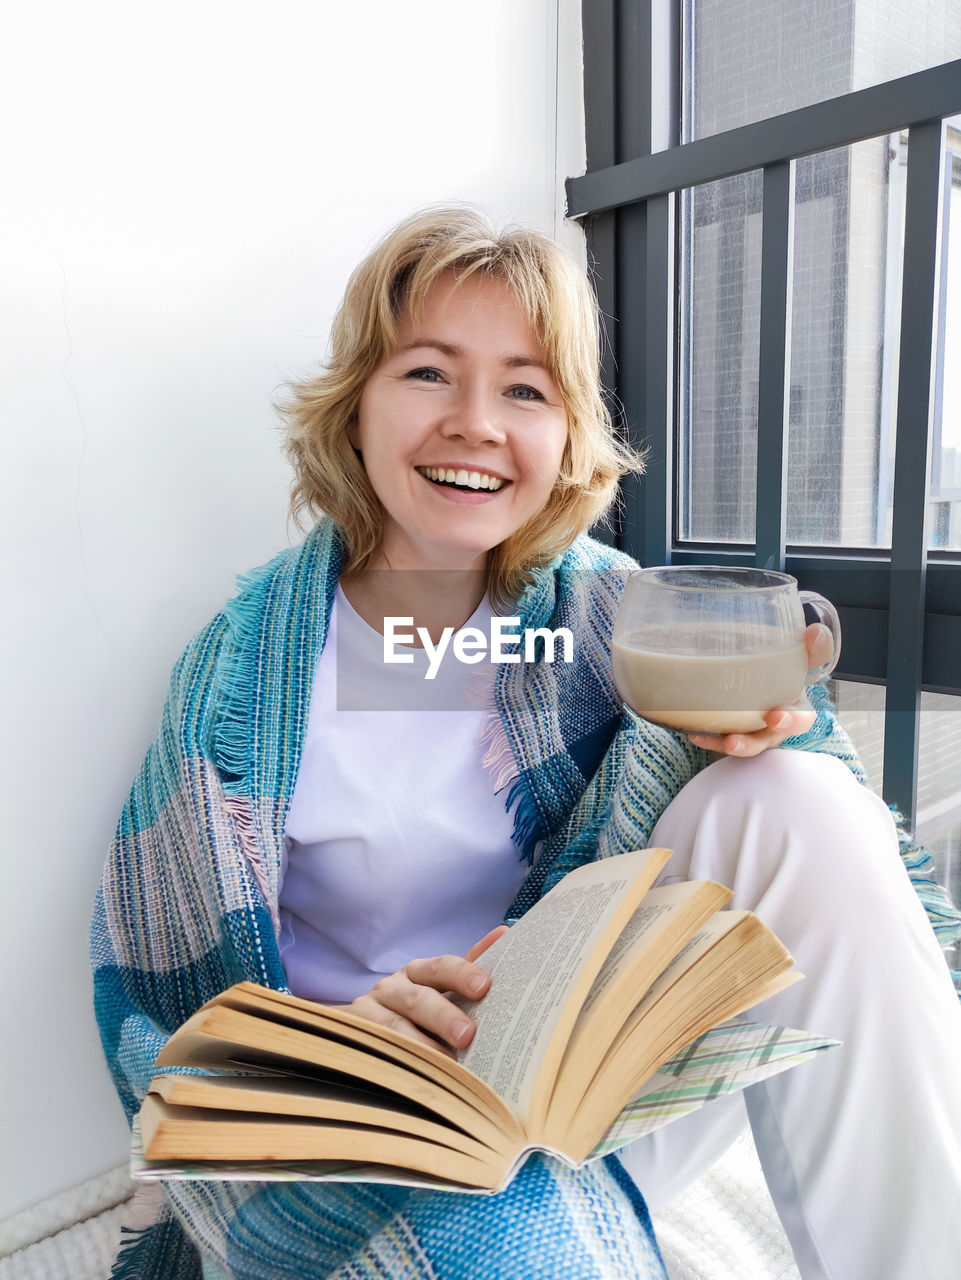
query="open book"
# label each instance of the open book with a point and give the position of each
(600, 1024)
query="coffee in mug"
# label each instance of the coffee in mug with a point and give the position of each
(710, 649)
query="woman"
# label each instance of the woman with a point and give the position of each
(302, 820)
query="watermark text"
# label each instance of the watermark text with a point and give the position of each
(506, 643)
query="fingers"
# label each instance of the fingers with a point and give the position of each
(730, 744)
(819, 643)
(370, 1008)
(790, 721)
(411, 1000)
(780, 723)
(479, 948)
(449, 973)
(739, 744)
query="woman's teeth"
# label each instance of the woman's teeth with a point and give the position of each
(463, 479)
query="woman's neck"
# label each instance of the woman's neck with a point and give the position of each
(434, 598)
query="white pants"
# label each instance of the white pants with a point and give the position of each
(861, 1148)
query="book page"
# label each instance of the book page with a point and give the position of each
(296, 1171)
(654, 912)
(661, 926)
(700, 943)
(716, 977)
(328, 1021)
(542, 968)
(317, 1099)
(727, 1058)
(220, 1037)
(191, 1134)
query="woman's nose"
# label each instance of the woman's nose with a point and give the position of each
(475, 419)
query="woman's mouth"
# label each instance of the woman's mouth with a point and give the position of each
(462, 478)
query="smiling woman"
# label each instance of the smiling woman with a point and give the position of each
(454, 450)
(499, 332)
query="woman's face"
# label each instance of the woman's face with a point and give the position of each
(461, 429)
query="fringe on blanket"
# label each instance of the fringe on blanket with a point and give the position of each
(152, 1241)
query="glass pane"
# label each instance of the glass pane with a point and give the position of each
(946, 458)
(844, 350)
(749, 59)
(849, 220)
(721, 308)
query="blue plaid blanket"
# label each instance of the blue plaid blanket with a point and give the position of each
(188, 905)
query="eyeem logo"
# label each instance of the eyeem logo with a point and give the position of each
(471, 645)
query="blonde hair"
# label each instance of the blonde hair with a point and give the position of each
(393, 280)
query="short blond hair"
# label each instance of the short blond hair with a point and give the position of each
(393, 280)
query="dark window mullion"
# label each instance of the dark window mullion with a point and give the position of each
(909, 539)
(646, 281)
(632, 374)
(600, 116)
(633, 49)
(635, 250)
(601, 108)
(646, 287)
(659, 328)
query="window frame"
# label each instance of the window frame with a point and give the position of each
(900, 607)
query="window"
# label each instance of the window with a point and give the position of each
(770, 217)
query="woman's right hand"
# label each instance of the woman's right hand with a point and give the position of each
(412, 1000)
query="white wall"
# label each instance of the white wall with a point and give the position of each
(191, 184)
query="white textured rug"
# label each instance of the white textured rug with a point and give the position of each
(722, 1228)
(71, 1236)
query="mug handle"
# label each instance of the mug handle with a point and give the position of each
(827, 615)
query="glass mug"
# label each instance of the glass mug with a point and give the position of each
(710, 649)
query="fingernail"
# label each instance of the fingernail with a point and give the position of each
(459, 1029)
(476, 983)
(782, 721)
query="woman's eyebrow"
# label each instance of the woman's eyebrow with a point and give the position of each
(525, 362)
(453, 351)
(445, 348)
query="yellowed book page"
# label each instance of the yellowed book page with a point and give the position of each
(189, 1133)
(662, 924)
(220, 1037)
(702, 941)
(720, 975)
(263, 1096)
(326, 1020)
(650, 920)
(542, 970)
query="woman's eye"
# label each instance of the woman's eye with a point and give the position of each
(425, 375)
(524, 392)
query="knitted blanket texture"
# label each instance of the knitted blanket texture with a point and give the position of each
(188, 905)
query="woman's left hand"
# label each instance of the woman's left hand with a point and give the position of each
(780, 722)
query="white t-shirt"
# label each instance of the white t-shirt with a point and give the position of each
(396, 845)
